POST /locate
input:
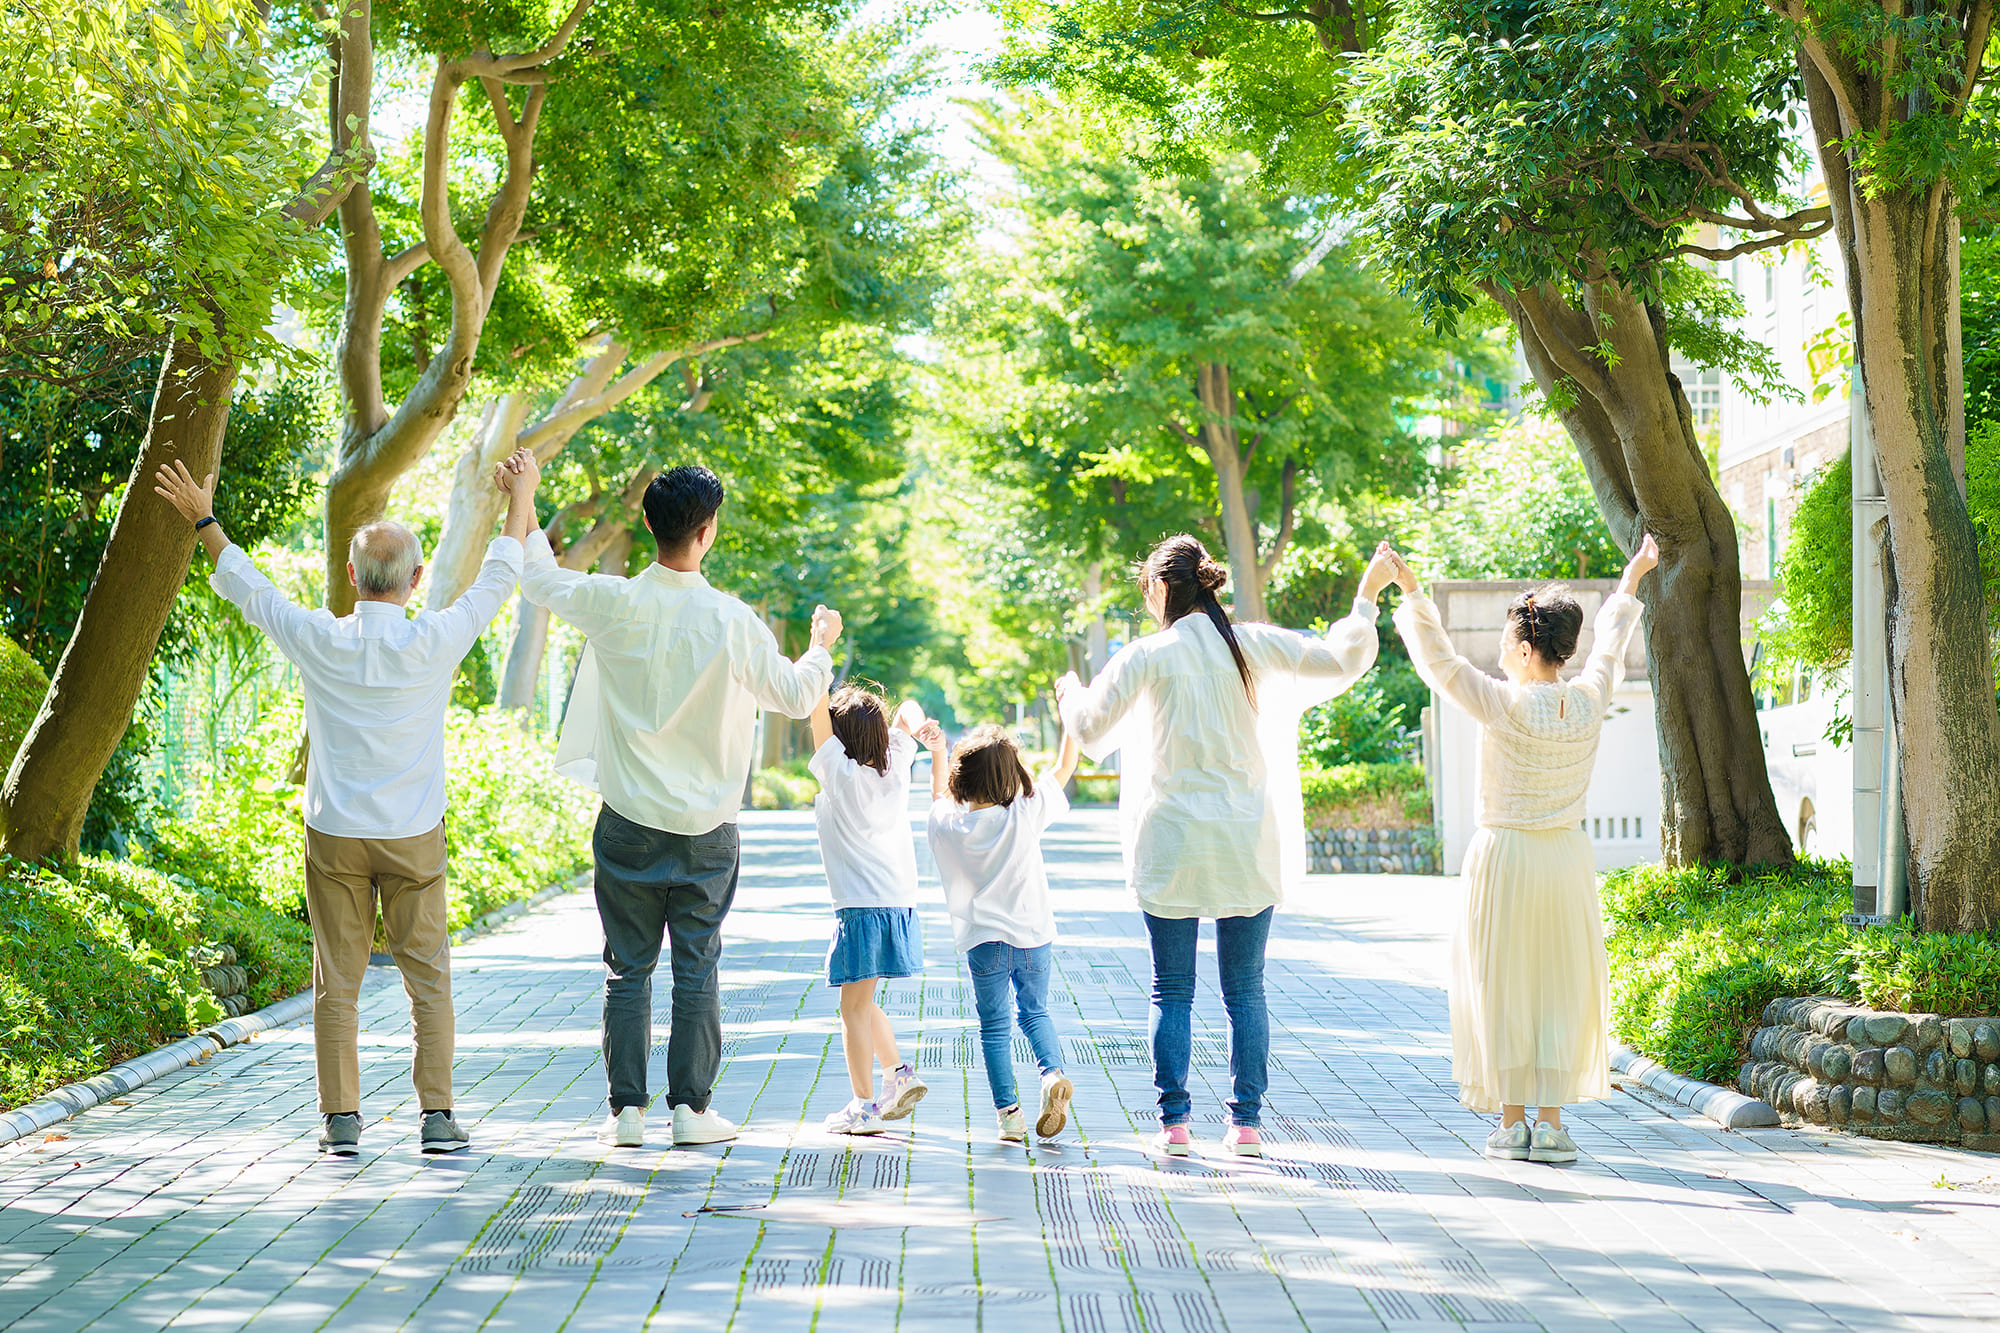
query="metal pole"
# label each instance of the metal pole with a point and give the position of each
(1868, 666)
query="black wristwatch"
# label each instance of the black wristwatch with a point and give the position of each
(201, 523)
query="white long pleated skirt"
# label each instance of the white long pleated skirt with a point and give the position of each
(1530, 992)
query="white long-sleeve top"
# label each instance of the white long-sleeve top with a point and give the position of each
(1538, 742)
(1208, 792)
(663, 713)
(376, 683)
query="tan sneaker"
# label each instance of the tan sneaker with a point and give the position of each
(1056, 1092)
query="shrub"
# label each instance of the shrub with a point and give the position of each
(22, 685)
(1367, 796)
(1695, 957)
(1375, 722)
(786, 786)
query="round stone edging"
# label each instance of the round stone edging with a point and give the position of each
(72, 1099)
(76, 1098)
(1725, 1106)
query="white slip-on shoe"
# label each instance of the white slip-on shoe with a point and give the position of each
(692, 1127)
(1552, 1143)
(625, 1129)
(1056, 1092)
(1509, 1143)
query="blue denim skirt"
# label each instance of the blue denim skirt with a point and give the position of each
(874, 942)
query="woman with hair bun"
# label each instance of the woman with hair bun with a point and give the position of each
(1530, 991)
(1206, 715)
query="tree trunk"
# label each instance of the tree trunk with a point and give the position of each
(1633, 427)
(525, 652)
(1898, 251)
(1096, 634)
(98, 681)
(1239, 526)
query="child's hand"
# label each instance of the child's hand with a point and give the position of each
(931, 736)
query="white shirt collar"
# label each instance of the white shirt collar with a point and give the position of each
(369, 607)
(674, 578)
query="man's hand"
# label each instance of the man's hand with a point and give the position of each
(195, 499)
(518, 471)
(825, 627)
(1643, 562)
(1066, 682)
(1381, 572)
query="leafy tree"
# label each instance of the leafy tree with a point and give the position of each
(1189, 330)
(154, 189)
(1901, 123)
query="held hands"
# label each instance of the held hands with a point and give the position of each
(1381, 571)
(826, 627)
(518, 472)
(195, 500)
(931, 736)
(1065, 683)
(1643, 562)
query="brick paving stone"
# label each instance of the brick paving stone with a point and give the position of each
(200, 1202)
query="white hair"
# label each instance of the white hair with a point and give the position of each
(384, 556)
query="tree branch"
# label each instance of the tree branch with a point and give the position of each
(404, 262)
(1286, 509)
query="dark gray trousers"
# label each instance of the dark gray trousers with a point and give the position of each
(654, 887)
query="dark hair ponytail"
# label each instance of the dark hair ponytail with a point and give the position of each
(1190, 580)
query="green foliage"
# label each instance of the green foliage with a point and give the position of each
(22, 685)
(787, 786)
(1358, 795)
(1513, 505)
(95, 965)
(146, 152)
(1695, 957)
(1812, 625)
(1375, 722)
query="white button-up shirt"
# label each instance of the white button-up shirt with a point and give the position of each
(376, 684)
(663, 715)
(1209, 799)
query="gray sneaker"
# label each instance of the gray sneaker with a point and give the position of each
(442, 1134)
(341, 1135)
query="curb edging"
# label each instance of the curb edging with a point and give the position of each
(1725, 1106)
(72, 1099)
(75, 1098)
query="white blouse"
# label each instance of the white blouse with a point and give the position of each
(1537, 743)
(1208, 792)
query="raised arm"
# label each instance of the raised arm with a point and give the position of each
(581, 599)
(1064, 768)
(1611, 632)
(822, 723)
(932, 739)
(467, 617)
(1092, 712)
(780, 684)
(236, 577)
(1431, 653)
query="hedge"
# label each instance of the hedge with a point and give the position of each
(1367, 796)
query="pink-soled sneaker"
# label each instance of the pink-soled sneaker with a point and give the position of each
(1243, 1141)
(1174, 1141)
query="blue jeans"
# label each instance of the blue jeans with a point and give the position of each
(1239, 954)
(994, 966)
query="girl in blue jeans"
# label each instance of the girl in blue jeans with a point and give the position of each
(986, 823)
(1206, 716)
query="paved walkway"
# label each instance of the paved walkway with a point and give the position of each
(201, 1202)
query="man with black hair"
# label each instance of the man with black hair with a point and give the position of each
(662, 722)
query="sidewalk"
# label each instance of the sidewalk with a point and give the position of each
(201, 1202)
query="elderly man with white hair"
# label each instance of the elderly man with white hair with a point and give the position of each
(376, 683)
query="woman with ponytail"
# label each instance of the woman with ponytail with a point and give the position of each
(1530, 991)
(1205, 715)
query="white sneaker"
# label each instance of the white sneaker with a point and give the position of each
(902, 1089)
(857, 1117)
(1552, 1143)
(1056, 1092)
(626, 1129)
(1509, 1143)
(691, 1127)
(1013, 1125)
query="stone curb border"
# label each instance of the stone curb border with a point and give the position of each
(76, 1098)
(73, 1099)
(1726, 1107)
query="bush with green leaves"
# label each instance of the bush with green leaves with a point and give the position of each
(1696, 955)
(1367, 796)
(1375, 722)
(22, 685)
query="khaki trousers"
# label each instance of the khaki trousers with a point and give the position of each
(344, 879)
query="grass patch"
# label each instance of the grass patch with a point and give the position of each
(1695, 956)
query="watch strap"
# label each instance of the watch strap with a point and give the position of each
(201, 523)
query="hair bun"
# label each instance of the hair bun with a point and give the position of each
(1211, 576)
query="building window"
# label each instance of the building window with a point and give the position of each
(1705, 396)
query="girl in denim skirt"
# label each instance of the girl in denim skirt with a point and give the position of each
(862, 762)
(986, 824)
